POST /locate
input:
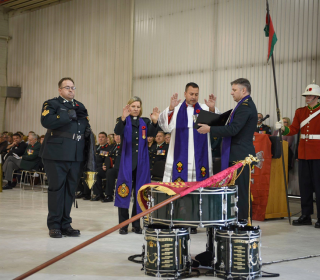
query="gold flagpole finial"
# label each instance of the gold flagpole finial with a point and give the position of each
(91, 178)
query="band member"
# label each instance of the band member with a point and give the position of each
(306, 121)
(262, 128)
(133, 173)
(62, 153)
(238, 138)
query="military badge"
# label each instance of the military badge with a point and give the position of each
(203, 171)
(178, 180)
(179, 166)
(123, 190)
(143, 132)
(45, 112)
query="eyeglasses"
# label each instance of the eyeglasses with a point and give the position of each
(68, 88)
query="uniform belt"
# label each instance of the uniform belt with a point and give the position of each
(310, 136)
(57, 133)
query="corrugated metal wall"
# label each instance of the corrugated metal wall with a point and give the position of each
(90, 41)
(175, 42)
(215, 42)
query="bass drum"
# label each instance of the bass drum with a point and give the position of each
(203, 207)
(167, 252)
(237, 252)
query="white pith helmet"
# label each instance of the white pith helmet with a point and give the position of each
(312, 89)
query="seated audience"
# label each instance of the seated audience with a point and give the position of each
(112, 173)
(102, 160)
(3, 143)
(167, 138)
(17, 147)
(151, 144)
(262, 128)
(41, 139)
(28, 161)
(161, 150)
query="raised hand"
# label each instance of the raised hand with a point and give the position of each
(174, 101)
(125, 112)
(155, 115)
(211, 102)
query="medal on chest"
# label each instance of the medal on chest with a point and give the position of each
(143, 130)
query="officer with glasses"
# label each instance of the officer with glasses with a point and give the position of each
(62, 152)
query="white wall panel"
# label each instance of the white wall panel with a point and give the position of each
(215, 42)
(90, 41)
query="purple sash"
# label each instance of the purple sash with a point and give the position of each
(180, 162)
(124, 183)
(226, 142)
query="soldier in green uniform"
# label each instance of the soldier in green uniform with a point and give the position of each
(159, 153)
(262, 128)
(28, 161)
(62, 152)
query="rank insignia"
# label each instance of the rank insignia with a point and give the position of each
(203, 171)
(179, 166)
(123, 190)
(58, 117)
(45, 112)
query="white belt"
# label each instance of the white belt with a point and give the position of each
(310, 136)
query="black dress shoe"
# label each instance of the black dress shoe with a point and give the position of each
(194, 230)
(108, 198)
(137, 230)
(79, 195)
(13, 184)
(87, 197)
(302, 221)
(70, 232)
(7, 187)
(55, 233)
(96, 198)
(317, 224)
(123, 231)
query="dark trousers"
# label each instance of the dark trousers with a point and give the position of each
(112, 175)
(63, 178)
(243, 194)
(309, 182)
(124, 212)
(97, 187)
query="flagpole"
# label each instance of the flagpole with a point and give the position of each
(280, 131)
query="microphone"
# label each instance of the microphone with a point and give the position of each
(267, 116)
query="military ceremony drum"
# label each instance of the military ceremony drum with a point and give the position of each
(167, 252)
(203, 207)
(237, 252)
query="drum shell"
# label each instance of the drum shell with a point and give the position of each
(206, 207)
(174, 247)
(237, 252)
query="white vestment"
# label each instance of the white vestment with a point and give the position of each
(171, 128)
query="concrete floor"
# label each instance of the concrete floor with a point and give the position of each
(25, 244)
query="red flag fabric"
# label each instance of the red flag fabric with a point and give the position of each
(269, 32)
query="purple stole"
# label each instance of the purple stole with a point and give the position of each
(226, 142)
(180, 162)
(124, 183)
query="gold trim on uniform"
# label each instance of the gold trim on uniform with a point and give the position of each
(45, 112)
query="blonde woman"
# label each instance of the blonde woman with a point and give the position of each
(134, 162)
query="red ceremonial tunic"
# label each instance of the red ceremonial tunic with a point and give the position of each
(308, 148)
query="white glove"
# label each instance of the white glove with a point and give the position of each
(279, 125)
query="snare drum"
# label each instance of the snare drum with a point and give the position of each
(201, 208)
(167, 252)
(237, 252)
